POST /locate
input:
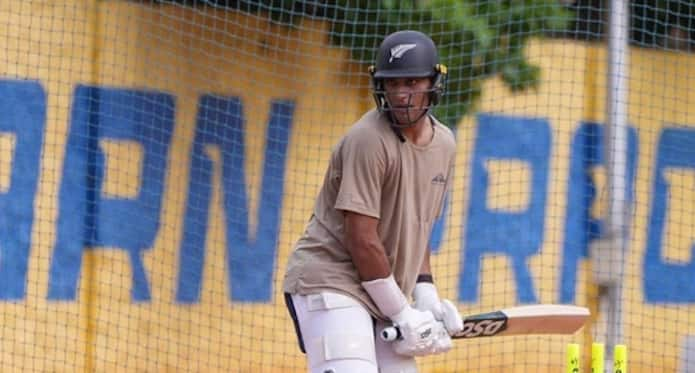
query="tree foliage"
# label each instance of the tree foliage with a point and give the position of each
(476, 38)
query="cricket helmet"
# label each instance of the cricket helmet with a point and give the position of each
(407, 54)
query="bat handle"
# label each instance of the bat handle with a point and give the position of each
(390, 334)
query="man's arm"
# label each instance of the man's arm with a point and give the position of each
(364, 245)
(424, 336)
(425, 269)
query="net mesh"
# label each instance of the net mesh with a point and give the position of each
(158, 161)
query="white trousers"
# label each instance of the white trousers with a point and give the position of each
(338, 335)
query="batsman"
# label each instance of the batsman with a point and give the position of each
(364, 253)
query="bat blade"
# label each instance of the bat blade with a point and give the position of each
(522, 320)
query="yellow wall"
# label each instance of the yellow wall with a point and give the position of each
(187, 52)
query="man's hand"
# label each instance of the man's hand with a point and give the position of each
(421, 334)
(427, 299)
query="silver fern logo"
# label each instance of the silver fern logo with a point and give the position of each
(399, 50)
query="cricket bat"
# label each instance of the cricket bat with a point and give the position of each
(520, 320)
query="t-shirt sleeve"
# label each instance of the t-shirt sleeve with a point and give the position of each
(362, 174)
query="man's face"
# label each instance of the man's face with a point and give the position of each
(408, 98)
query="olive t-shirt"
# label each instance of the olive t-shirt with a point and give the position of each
(372, 172)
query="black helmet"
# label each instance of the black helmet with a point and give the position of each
(407, 54)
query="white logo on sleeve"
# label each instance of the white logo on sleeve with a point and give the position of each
(399, 50)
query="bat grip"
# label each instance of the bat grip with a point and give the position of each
(390, 334)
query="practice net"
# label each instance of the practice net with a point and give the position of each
(158, 161)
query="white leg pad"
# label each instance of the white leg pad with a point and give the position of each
(337, 332)
(341, 347)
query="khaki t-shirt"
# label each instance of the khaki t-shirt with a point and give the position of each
(374, 173)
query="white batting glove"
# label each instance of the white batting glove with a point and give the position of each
(421, 334)
(427, 299)
(442, 342)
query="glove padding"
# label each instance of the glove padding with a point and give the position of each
(427, 299)
(421, 334)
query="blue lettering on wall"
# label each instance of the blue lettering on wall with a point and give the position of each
(517, 235)
(581, 228)
(250, 261)
(23, 108)
(86, 217)
(668, 282)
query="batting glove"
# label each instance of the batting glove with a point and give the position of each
(427, 299)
